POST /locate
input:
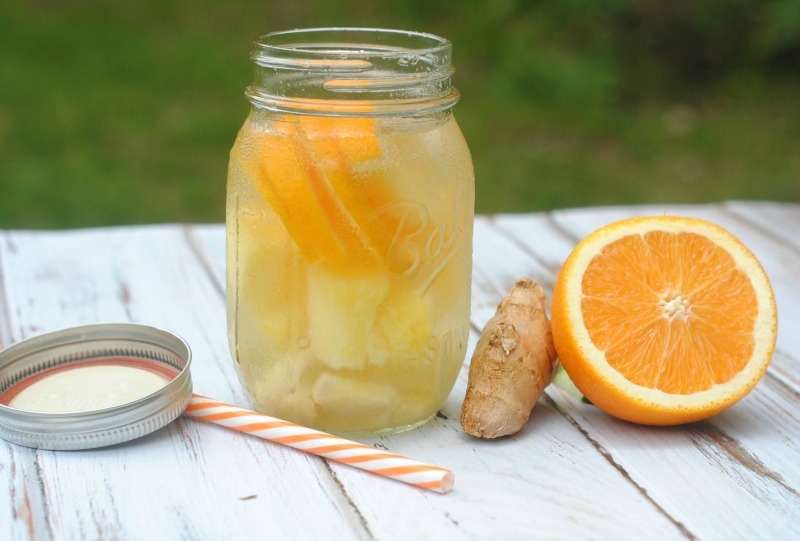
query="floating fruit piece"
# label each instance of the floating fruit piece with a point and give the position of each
(308, 169)
(333, 149)
(346, 397)
(342, 310)
(402, 329)
(663, 320)
(270, 271)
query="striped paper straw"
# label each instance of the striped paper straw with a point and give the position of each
(319, 443)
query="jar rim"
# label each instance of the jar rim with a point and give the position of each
(275, 40)
(364, 71)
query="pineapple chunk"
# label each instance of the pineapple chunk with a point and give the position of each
(402, 329)
(360, 320)
(281, 386)
(299, 407)
(270, 283)
(339, 395)
(342, 310)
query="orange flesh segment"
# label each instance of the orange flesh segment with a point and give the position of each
(670, 310)
(312, 172)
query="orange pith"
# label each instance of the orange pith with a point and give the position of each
(663, 320)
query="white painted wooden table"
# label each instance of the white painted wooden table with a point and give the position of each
(572, 473)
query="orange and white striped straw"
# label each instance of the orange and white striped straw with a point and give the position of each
(319, 443)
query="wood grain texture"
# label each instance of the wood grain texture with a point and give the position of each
(572, 472)
(743, 459)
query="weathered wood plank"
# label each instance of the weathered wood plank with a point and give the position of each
(779, 220)
(724, 449)
(713, 477)
(187, 480)
(573, 472)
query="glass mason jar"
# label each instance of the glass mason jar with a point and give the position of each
(349, 230)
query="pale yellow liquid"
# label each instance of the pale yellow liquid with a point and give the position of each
(359, 349)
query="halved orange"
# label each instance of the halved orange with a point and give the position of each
(663, 320)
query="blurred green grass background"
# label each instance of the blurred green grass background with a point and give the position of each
(123, 112)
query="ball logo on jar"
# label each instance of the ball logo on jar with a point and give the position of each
(419, 244)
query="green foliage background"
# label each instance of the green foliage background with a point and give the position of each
(118, 112)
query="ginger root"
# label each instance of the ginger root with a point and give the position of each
(513, 362)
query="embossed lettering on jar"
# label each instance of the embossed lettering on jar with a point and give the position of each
(349, 219)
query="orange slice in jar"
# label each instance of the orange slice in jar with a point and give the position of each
(314, 172)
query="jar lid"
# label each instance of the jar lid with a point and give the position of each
(92, 386)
